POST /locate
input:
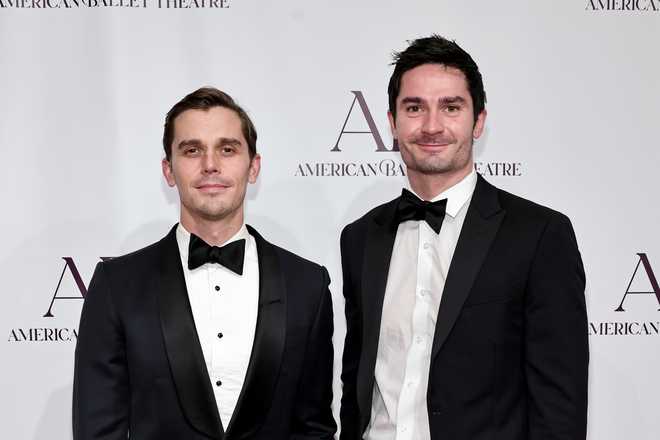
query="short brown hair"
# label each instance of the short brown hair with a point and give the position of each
(204, 99)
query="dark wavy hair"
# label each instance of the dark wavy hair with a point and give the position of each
(437, 50)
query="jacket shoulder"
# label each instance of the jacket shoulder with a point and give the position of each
(294, 260)
(138, 258)
(525, 208)
(285, 256)
(375, 213)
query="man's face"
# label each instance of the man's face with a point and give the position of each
(210, 164)
(434, 122)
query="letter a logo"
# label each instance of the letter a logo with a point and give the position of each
(373, 130)
(68, 263)
(644, 261)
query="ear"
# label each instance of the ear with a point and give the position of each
(390, 118)
(255, 167)
(167, 172)
(479, 124)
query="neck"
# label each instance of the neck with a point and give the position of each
(214, 232)
(428, 186)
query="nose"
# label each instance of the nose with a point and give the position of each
(210, 163)
(433, 122)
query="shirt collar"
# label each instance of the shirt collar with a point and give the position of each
(456, 195)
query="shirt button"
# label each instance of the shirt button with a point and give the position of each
(410, 384)
(217, 288)
(424, 292)
(427, 246)
(404, 428)
(218, 383)
(418, 339)
(220, 335)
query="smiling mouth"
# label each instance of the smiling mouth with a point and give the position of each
(212, 187)
(433, 146)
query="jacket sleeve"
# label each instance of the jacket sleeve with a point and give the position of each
(556, 338)
(100, 386)
(349, 412)
(313, 407)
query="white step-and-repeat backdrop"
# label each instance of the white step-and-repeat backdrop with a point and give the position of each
(574, 108)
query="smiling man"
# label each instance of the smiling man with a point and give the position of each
(212, 332)
(465, 304)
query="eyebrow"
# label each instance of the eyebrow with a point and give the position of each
(446, 100)
(228, 141)
(452, 100)
(189, 143)
(220, 142)
(411, 100)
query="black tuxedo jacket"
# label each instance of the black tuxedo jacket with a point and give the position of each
(510, 352)
(139, 366)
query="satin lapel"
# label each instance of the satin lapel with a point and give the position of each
(377, 254)
(182, 344)
(482, 222)
(263, 370)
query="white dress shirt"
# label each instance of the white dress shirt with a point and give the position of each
(224, 307)
(418, 270)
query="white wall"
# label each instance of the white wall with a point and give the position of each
(573, 101)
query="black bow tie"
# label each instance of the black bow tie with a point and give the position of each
(412, 208)
(230, 255)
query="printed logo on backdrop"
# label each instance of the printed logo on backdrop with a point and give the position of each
(70, 296)
(641, 294)
(623, 5)
(127, 4)
(360, 132)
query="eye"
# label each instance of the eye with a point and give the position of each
(413, 108)
(190, 151)
(453, 108)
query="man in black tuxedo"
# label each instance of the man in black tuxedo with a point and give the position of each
(212, 332)
(465, 304)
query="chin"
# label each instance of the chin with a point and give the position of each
(213, 216)
(212, 213)
(432, 167)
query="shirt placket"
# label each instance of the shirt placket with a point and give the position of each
(420, 338)
(215, 330)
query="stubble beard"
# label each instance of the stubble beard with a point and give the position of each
(212, 210)
(435, 164)
(432, 165)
